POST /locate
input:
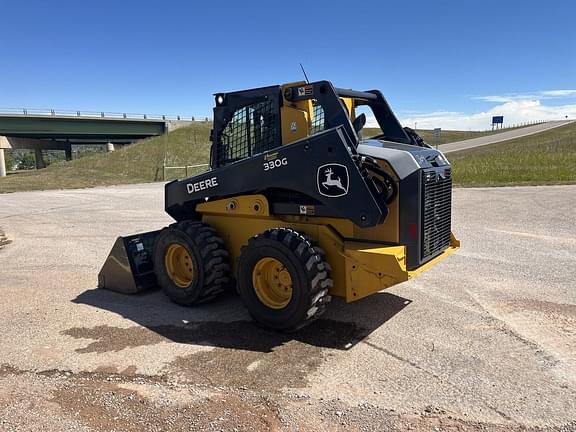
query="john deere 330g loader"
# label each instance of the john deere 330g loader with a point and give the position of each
(296, 208)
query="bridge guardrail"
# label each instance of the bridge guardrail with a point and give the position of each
(41, 112)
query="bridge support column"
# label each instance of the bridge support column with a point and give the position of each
(110, 147)
(68, 153)
(2, 163)
(39, 158)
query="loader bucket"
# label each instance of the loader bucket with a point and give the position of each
(129, 268)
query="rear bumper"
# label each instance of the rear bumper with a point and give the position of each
(454, 246)
(369, 269)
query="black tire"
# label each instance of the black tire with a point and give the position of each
(209, 261)
(310, 278)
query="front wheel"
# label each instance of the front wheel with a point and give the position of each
(191, 263)
(283, 279)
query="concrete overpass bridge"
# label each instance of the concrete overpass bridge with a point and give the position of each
(50, 130)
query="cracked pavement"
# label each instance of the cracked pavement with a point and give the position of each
(486, 340)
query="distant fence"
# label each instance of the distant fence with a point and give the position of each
(187, 170)
(518, 125)
(36, 112)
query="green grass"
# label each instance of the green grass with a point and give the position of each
(447, 136)
(545, 158)
(136, 163)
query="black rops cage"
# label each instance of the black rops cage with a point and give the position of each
(245, 124)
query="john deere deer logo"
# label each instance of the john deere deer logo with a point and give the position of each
(333, 180)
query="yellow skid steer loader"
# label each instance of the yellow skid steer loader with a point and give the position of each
(296, 208)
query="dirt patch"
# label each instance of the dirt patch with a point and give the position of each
(114, 406)
(112, 369)
(286, 366)
(109, 406)
(547, 326)
(336, 416)
(58, 400)
(557, 311)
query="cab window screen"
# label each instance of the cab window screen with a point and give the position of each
(252, 130)
(318, 123)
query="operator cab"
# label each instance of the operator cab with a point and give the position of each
(251, 122)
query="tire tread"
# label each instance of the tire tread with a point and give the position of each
(312, 260)
(214, 261)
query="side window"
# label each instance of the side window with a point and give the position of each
(252, 130)
(371, 128)
(318, 123)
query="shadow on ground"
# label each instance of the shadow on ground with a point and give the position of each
(225, 323)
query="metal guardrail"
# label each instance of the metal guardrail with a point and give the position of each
(40, 112)
(517, 125)
(185, 168)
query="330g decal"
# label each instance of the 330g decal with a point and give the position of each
(275, 163)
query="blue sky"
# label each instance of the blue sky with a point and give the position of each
(439, 63)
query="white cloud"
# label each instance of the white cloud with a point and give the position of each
(516, 108)
(559, 93)
(514, 112)
(544, 94)
(499, 99)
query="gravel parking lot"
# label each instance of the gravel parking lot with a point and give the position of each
(484, 341)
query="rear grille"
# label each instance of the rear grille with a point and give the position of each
(436, 209)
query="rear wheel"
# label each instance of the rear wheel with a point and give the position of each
(191, 263)
(283, 279)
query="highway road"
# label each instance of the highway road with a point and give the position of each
(484, 341)
(499, 137)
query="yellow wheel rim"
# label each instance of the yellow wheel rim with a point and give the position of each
(272, 283)
(179, 265)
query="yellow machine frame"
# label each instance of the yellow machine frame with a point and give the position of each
(297, 116)
(358, 269)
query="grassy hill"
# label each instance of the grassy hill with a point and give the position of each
(545, 158)
(136, 163)
(447, 136)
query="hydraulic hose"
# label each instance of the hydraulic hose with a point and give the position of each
(380, 182)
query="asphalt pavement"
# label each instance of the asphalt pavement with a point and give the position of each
(486, 340)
